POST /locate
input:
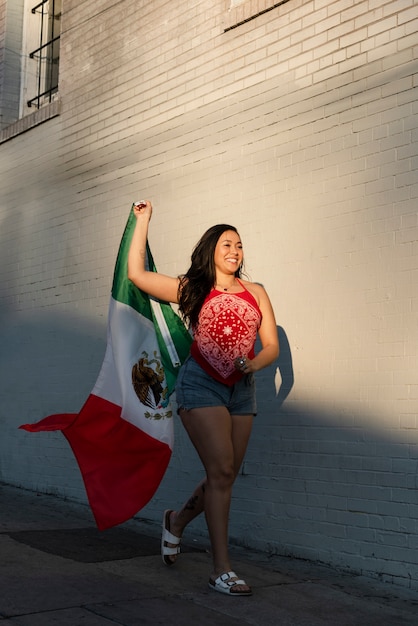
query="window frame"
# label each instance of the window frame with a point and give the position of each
(47, 83)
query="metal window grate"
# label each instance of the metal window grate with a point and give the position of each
(47, 54)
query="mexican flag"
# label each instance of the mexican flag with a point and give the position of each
(123, 436)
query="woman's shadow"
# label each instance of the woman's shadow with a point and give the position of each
(284, 378)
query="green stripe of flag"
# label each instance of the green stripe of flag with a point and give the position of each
(173, 338)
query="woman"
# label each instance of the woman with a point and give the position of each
(215, 388)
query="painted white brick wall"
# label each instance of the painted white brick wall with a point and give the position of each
(300, 127)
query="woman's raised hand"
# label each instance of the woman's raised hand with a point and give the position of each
(143, 207)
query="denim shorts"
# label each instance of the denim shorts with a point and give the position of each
(197, 389)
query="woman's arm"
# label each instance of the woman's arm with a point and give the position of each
(267, 333)
(157, 285)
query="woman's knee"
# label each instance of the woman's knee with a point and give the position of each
(222, 476)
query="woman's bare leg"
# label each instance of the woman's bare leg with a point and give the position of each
(221, 441)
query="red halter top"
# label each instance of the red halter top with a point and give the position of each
(227, 329)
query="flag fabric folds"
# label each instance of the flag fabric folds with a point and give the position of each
(123, 436)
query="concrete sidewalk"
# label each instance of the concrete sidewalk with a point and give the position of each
(56, 569)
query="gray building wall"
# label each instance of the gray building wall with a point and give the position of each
(11, 22)
(298, 124)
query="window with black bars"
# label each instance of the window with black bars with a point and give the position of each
(48, 53)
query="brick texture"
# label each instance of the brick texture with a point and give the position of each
(300, 127)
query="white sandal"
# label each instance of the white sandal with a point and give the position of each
(168, 537)
(224, 584)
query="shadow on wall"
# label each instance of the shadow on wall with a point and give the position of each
(284, 365)
(317, 484)
(329, 485)
(48, 363)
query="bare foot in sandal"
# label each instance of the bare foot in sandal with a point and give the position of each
(229, 583)
(170, 543)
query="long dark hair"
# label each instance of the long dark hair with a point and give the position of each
(201, 275)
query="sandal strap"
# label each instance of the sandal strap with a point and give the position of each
(225, 580)
(170, 551)
(170, 538)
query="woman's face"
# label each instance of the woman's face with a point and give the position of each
(228, 254)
